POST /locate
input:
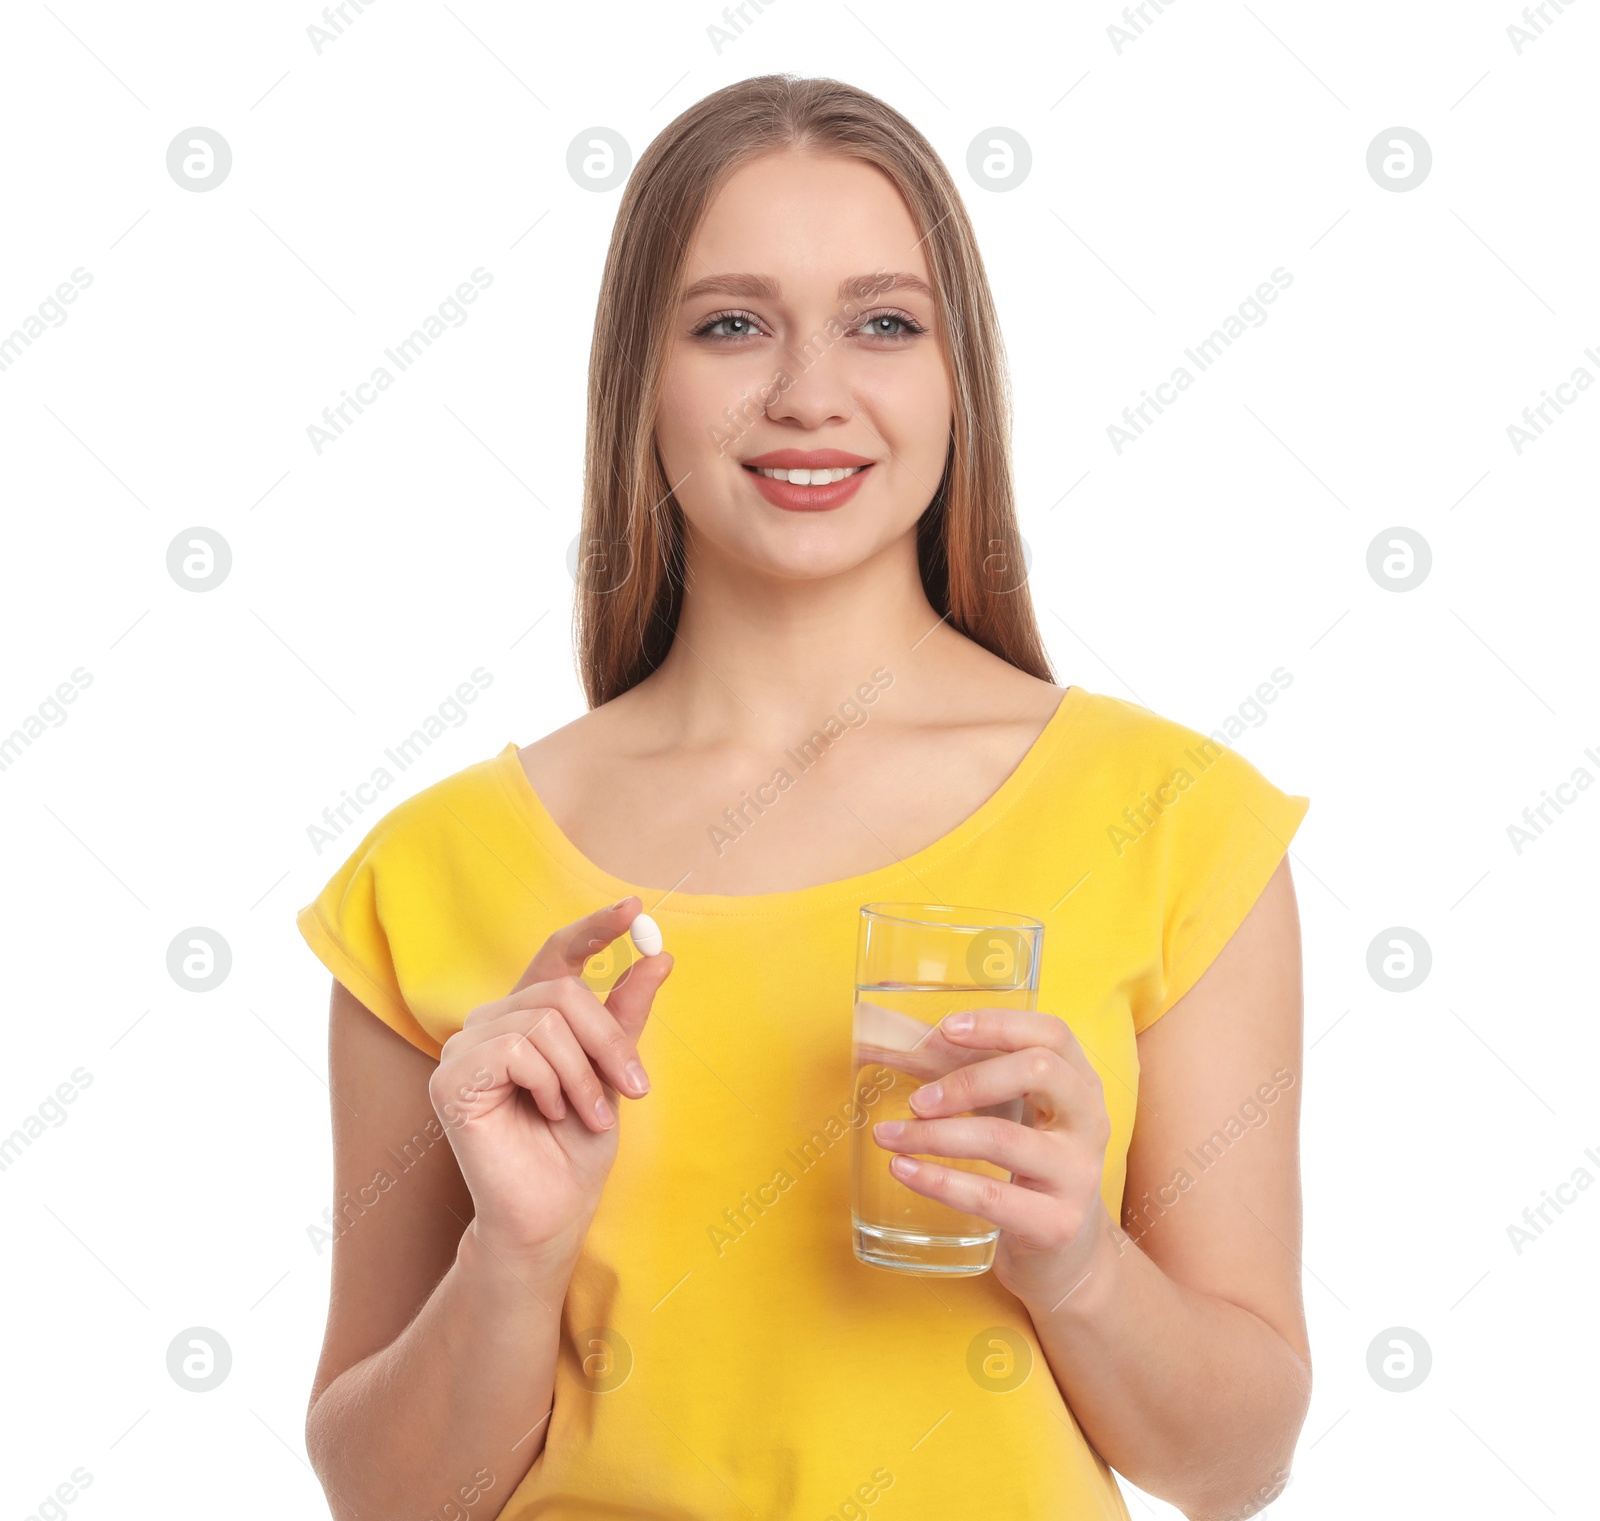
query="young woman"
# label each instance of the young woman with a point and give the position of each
(815, 681)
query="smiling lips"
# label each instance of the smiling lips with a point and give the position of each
(808, 480)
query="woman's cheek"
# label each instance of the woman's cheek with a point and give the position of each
(705, 411)
(912, 411)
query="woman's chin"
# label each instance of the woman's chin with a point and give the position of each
(794, 547)
(815, 556)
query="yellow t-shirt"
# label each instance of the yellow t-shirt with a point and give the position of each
(724, 1354)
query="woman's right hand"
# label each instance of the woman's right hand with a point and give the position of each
(527, 1092)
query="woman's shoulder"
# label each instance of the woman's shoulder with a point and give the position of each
(1184, 829)
(586, 757)
(419, 823)
(1134, 771)
(408, 918)
(1150, 777)
(1128, 734)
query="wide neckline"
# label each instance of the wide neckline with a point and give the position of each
(863, 887)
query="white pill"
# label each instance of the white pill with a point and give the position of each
(646, 934)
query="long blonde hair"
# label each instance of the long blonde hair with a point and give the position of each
(630, 570)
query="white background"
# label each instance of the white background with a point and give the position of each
(1168, 180)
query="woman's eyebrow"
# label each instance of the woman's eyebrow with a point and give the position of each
(865, 287)
(764, 288)
(752, 287)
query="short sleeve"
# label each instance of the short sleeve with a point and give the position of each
(344, 926)
(1222, 840)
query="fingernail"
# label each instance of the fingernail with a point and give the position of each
(604, 1113)
(888, 1130)
(956, 1024)
(637, 1080)
(926, 1098)
(904, 1166)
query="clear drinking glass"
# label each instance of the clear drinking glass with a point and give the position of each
(915, 963)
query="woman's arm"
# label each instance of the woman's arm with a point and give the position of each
(465, 1190)
(1182, 1353)
(438, 1364)
(1182, 1347)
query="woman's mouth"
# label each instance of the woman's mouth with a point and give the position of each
(814, 488)
(810, 477)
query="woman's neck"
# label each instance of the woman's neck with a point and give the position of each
(755, 657)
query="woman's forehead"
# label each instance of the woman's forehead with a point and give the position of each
(807, 219)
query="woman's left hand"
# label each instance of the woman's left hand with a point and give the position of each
(1050, 1215)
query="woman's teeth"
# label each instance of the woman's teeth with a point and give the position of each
(811, 477)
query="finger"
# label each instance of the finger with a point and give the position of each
(630, 1000)
(528, 1067)
(1007, 1205)
(604, 1041)
(1009, 1030)
(1051, 1084)
(611, 1050)
(980, 1138)
(894, 1038)
(476, 1075)
(568, 948)
(556, 1043)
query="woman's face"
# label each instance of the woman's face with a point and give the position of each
(805, 339)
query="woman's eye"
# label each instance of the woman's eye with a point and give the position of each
(731, 326)
(891, 325)
(728, 325)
